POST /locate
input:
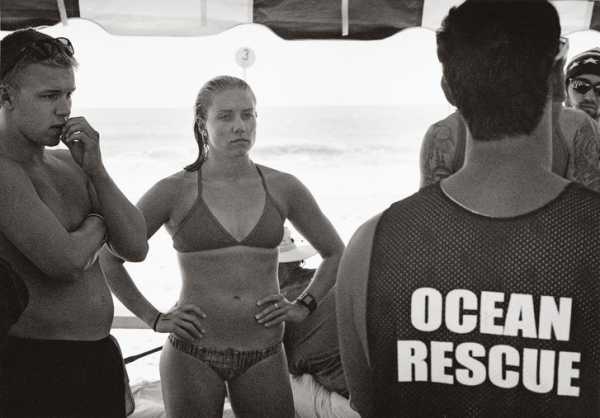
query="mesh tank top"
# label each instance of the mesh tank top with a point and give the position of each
(200, 230)
(473, 316)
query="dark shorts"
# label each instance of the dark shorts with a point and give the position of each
(13, 299)
(57, 378)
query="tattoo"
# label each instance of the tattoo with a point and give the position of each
(437, 154)
(586, 157)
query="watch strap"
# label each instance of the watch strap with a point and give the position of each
(307, 300)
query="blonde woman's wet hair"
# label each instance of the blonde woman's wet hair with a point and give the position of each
(203, 102)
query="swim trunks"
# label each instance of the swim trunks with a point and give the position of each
(59, 378)
(13, 299)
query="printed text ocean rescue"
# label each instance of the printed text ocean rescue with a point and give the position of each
(462, 312)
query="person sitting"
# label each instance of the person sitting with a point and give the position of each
(312, 346)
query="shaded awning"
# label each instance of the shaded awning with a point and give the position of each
(290, 19)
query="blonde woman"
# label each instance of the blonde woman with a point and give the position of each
(225, 215)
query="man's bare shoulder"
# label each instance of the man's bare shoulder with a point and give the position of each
(356, 259)
(575, 116)
(441, 150)
(7, 162)
(62, 156)
(453, 119)
(574, 112)
(362, 239)
(351, 287)
(449, 123)
(11, 171)
(367, 229)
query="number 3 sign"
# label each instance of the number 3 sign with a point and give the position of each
(245, 57)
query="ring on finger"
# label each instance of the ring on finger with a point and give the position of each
(276, 305)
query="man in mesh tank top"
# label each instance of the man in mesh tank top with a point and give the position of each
(479, 296)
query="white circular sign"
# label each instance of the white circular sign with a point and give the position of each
(245, 57)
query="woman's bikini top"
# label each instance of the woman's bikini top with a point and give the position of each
(200, 230)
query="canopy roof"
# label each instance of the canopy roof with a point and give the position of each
(290, 19)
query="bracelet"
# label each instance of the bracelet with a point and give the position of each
(155, 323)
(97, 215)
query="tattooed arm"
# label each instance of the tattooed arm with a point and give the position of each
(586, 156)
(438, 152)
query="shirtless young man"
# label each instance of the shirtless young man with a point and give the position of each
(58, 208)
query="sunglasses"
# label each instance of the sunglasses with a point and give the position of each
(42, 49)
(583, 86)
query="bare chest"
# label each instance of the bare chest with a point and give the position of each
(64, 190)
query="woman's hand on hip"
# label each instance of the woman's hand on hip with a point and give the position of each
(277, 309)
(183, 321)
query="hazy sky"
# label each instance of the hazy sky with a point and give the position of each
(125, 71)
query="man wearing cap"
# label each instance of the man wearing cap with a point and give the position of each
(58, 208)
(575, 139)
(311, 346)
(583, 83)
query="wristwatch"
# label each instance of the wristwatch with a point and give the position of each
(308, 301)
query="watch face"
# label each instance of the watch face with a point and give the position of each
(309, 299)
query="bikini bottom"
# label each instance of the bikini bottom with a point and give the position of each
(229, 363)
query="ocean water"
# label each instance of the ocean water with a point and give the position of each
(356, 161)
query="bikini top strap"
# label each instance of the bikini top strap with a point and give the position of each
(199, 182)
(269, 195)
(262, 178)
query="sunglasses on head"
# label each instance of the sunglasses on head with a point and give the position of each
(583, 86)
(43, 49)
